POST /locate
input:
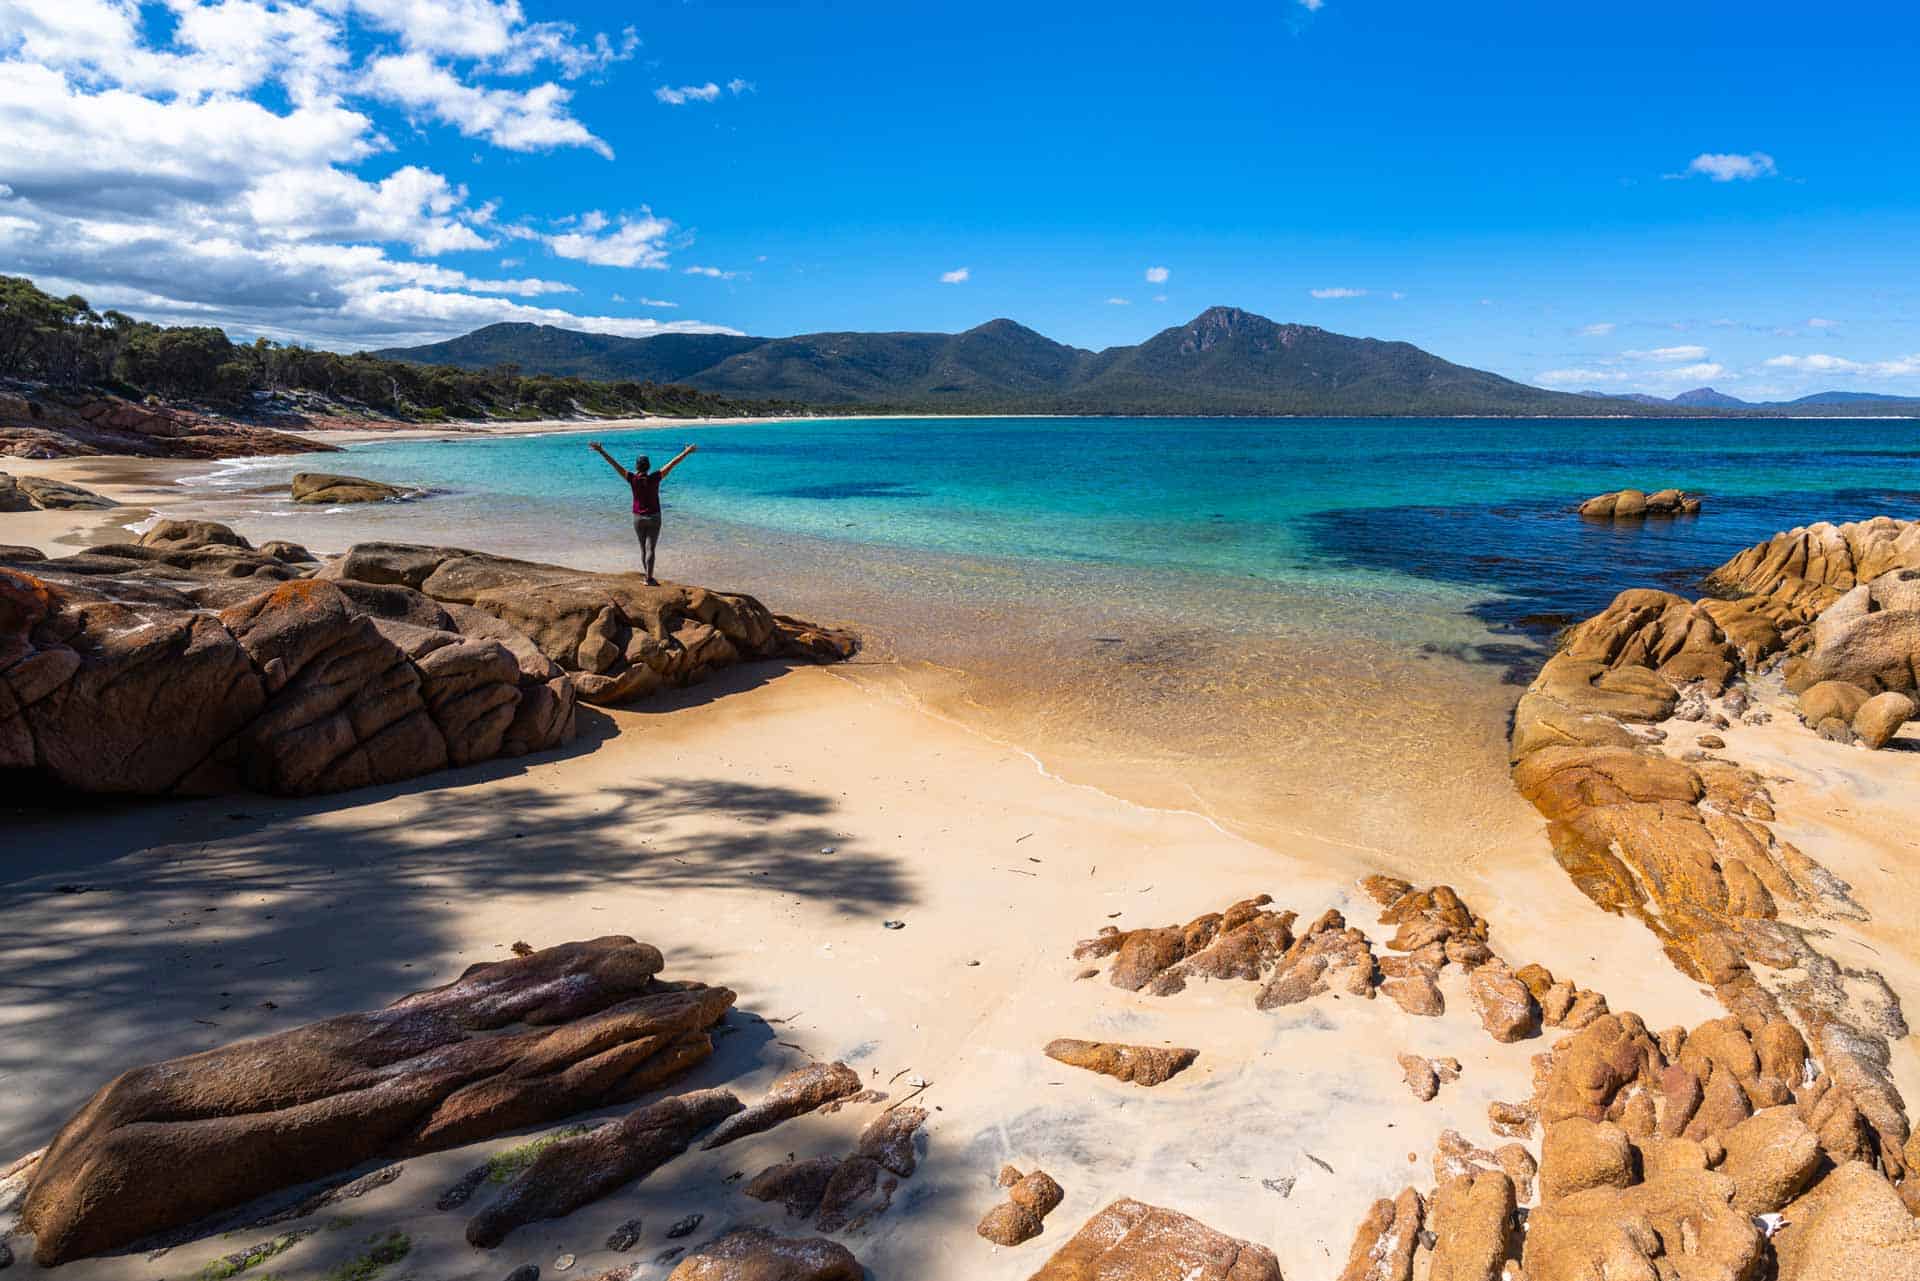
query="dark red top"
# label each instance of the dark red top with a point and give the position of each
(646, 492)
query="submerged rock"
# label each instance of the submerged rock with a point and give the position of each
(30, 493)
(1634, 504)
(325, 487)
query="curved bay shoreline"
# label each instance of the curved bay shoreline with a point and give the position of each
(1156, 863)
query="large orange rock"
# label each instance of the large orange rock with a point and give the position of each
(616, 637)
(508, 1045)
(1133, 1241)
(1682, 640)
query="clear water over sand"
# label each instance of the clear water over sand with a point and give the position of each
(1290, 624)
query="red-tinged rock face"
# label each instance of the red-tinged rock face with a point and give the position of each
(235, 1123)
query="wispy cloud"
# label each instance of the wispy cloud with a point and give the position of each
(1313, 6)
(1599, 329)
(737, 86)
(1337, 293)
(713, 272)
(1821, 322)
(708, 92)
(1668, 354)
(1822, 363)
(958, 276)
(1610, 374)
(1723, 166)
(1119, 302)
(1157, 275)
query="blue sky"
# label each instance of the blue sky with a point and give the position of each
(1630, 196)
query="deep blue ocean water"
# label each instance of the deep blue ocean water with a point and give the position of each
(1478, 511)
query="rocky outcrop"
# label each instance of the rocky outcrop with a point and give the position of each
(1139, 1064)
(1635, 504)
(327, 488)
(1133, 1241)
(508, 1045)
(115, 685)
(1668, 1146)
(38, 493)
(755, 1254)
(47, 424)
(1021, 1217)
(1794, 576)
(1686, 847)
(580, 1170)
(617, 638)
(849, 1191)
(1243, 942)
(191, 662)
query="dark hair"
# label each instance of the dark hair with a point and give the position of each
(643, 465)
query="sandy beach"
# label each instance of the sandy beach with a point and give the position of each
(762, 830)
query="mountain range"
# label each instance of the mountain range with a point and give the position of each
(1820, 404)
(1224, 361)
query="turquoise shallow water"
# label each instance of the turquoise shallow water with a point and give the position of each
(1267, 619)
(1442, 509)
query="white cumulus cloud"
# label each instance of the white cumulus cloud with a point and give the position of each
(230, 162)
(958, 276)
(713, 272)
(1157, 275)
(1729, 167)
(637, 241)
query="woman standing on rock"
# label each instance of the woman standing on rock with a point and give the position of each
(645, 484)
